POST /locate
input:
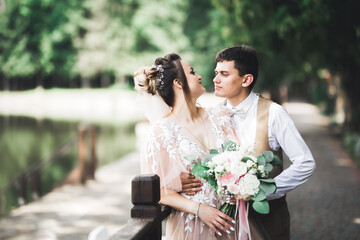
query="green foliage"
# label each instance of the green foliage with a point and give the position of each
(214, 151)
(229, 146)
(261, 195)
(199, 171)
(261, 207)
(38, 38)
(267, 187)
(207, 158)
(261, 160)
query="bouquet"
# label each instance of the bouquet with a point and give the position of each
(238, 173)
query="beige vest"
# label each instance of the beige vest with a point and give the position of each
(262, 137)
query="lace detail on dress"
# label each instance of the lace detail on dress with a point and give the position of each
(167, 138)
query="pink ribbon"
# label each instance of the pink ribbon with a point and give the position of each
(243, 223)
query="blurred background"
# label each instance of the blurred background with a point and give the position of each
(68, 62)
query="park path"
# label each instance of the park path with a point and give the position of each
(325, 207)
(328, 205)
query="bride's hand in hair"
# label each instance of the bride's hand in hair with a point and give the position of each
(215, 219)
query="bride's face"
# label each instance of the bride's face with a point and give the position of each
(194, 80)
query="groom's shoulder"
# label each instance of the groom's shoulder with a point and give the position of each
(274, 105)
(278, 112)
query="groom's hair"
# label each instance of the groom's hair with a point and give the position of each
(245, 59)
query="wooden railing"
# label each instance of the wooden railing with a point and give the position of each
(147, 214)
(28, 184)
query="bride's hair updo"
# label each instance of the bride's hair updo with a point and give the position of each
(158, 79)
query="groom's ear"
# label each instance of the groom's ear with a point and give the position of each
(247, 80)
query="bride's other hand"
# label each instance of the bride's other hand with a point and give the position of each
(190, 184)
(215, 219)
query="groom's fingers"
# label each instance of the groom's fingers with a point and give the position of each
(190, 180)
(190, 184)
(191, 191)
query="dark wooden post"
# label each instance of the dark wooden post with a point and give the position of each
(22, 189)
(93, 164)
(3, 203)
(145, 196)
(82, 153)
(36, 184)
(147, 214)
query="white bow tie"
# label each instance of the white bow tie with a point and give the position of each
(239, 112)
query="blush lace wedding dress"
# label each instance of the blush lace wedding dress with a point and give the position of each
(164, 154)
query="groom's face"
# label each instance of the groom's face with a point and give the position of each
(227, 81)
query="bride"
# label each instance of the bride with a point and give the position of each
(185, 129)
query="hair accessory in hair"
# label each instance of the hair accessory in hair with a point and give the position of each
(159, 80)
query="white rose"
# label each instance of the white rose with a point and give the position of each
(238, 168)
(220, 159)
(249, 185)
(233, 188)
(235, 156)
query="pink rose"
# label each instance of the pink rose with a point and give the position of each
(227, 179)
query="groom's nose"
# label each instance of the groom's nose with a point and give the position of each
(216, 79)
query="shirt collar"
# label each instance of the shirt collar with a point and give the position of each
(246, 104)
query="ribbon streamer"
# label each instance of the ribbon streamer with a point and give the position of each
(243, 223)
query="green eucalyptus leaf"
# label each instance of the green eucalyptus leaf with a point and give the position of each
(268, 187)
(199, 170)
(206, 159)
(267, 180)
(276, 161)
(261, 160)
(191, 157)
(214, 151)
(230, 146)
(261, 207)
(261, 195)
(268, 167)
(268, 155)
(245, 159)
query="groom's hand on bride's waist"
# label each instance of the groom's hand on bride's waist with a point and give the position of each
(190, 184)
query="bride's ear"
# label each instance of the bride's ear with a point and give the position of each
(248, 79)
(177, 84)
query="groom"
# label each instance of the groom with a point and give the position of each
(264, 125)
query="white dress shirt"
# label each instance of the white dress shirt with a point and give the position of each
(282, 133)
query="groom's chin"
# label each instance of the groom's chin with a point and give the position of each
(218, 94)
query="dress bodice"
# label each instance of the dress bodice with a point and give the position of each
(166, 150)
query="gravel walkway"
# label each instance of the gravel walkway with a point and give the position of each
(328, 205)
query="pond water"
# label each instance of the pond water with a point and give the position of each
(25, 142)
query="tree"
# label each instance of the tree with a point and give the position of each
(296, 39)
(38, 39)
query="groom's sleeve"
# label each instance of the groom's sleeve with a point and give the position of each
(283, 133)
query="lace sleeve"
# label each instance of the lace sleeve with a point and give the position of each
(159, 156)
